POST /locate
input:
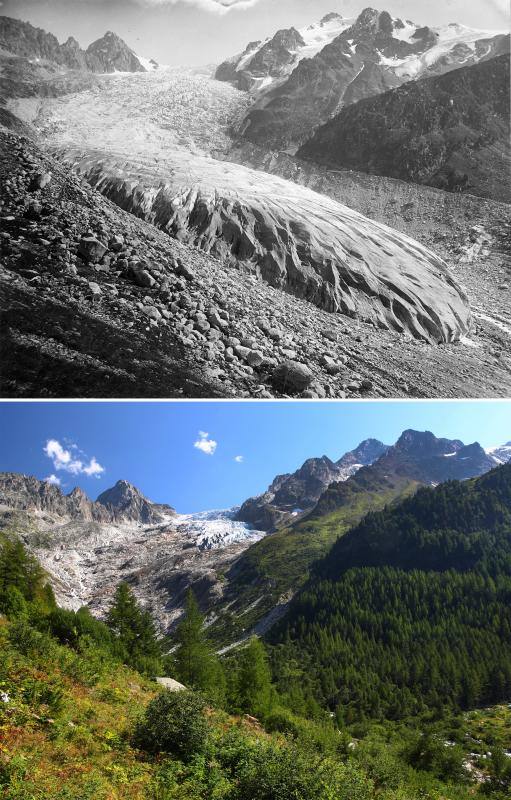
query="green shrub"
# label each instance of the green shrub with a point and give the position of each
(279, 773)
(14, 604)
(174, 722)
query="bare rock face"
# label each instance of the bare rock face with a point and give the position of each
(108, 54)
(298, 492)
(292, 238)
(123, 502)
(30, 494)
(112, 54)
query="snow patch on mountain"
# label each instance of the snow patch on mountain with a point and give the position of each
(319, 34)
(500, 453)
(449, 37)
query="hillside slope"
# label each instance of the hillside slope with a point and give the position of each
(395, 617)
(451, 132)
(264, 578)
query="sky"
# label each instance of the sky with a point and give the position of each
(205, 455)
(199, 32)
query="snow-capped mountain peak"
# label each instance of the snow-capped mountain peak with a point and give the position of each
(500, 453)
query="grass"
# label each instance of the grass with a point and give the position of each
(65, 738)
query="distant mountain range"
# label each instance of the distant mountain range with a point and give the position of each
(122, 503)
(108, 54)
(302, 78)
(292, 494)
(240, 562)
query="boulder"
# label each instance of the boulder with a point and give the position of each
(291, 377)
(91, 249)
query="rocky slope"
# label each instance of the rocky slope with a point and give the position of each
(108, 54)
(293, 494)
(87, 547)
(360, 58)
(134, 321)
(295, 240)
(123, 502)
(450, 131)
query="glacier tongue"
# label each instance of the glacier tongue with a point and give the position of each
(212, 530)
(147, 144)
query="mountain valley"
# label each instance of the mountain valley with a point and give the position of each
(244, 564)
(164, 144)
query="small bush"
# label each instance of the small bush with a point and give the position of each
(174, 722)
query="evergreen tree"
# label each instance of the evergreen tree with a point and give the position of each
(254, 680)
(196, 664)
(20, 570)
(135, 631)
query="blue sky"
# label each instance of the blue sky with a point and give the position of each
(197, 32)
(166, 448)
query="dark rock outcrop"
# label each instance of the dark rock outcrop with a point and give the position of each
(108, 54)
(299, 491)
(112, 54)
(125, 501)
(451, 132)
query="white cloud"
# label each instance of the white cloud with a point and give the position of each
(239, 459)
(63, 460)
(53, 480)
(215, 6)
(205, 444)
(93, 468)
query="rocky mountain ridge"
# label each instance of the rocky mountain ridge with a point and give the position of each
(105, 55)
(366, 56)
(451, 132)
(122, 502)
(418, 457)
(293, 494)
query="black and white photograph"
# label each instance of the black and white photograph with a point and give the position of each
(255, 400)
(254, 199)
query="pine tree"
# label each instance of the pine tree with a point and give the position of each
(19, 569)
(135, 631)
(196, 664)
(254, 680)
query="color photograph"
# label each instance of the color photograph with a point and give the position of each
(255, 400)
